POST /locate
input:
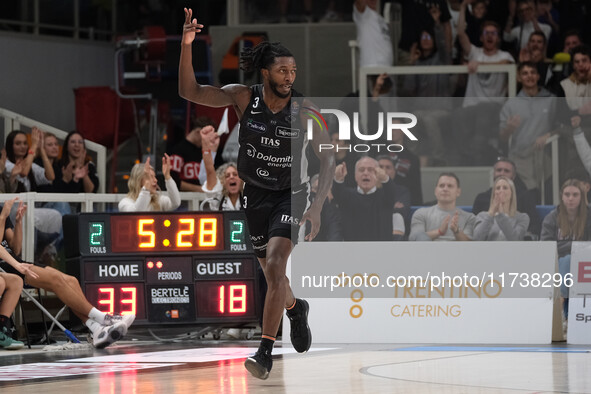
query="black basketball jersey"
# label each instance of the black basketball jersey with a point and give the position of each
(272, 151)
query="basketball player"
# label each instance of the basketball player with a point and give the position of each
(276, 190)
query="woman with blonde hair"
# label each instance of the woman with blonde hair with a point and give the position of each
(501, 222)
(223, 187)
(569, 222)
(143, 189)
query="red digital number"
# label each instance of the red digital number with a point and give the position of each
(126, 297)
(236, 299)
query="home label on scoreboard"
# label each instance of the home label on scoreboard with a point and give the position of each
(171, 303)
(113, 271)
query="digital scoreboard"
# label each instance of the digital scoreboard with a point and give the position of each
(166, 267)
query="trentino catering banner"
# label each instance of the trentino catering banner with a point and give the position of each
(427, 292)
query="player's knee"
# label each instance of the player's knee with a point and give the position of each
(14, 282)
(275, 274)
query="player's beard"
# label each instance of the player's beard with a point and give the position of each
(273, 87)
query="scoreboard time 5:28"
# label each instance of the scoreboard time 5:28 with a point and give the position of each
(166, 267)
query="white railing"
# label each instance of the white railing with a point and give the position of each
(14, 121)
(87, 202)
(73, 28)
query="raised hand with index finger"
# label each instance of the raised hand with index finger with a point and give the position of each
(190, 27)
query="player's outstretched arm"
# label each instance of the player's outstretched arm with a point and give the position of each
(190, 89)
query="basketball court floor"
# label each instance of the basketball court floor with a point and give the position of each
(210, 366)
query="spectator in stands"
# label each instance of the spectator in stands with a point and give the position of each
(528, 23)
(143, 189)
(581, 143)
(443, 221)
(388, 164)
(19, 153)
(474, 18)
(471, 125)
(77, 173)
(343, 155)
(525, 201)
(28, 175)
(502, 221)
(432, 113)
(529, 120)
(572, 39)
(366, 210)
(549, 15)
(535, 52)
(407, 168)
(8, 183)
(430, 50)
(569, 222)
(50, 144)
(105, 328)
(577, 92)
(223, 187)
(373, 35)
(186, 158)
(416, 17)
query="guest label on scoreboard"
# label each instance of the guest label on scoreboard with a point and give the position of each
(113, 271)
(168, 270)
(219, 269)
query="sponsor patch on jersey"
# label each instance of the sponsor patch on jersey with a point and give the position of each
(287, 219)
(264, 174)
(287, 132)
(256, 126)
(270, 142)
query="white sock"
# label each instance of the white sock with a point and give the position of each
(97, 315)
(93, 326)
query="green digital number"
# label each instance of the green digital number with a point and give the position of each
(237, 231)
(97, 237)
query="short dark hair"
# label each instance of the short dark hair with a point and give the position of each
(262, 56)
(521, 65)
(539, 33)
(571, 32)
(506, 160)
(449, 174)
(581, 50)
